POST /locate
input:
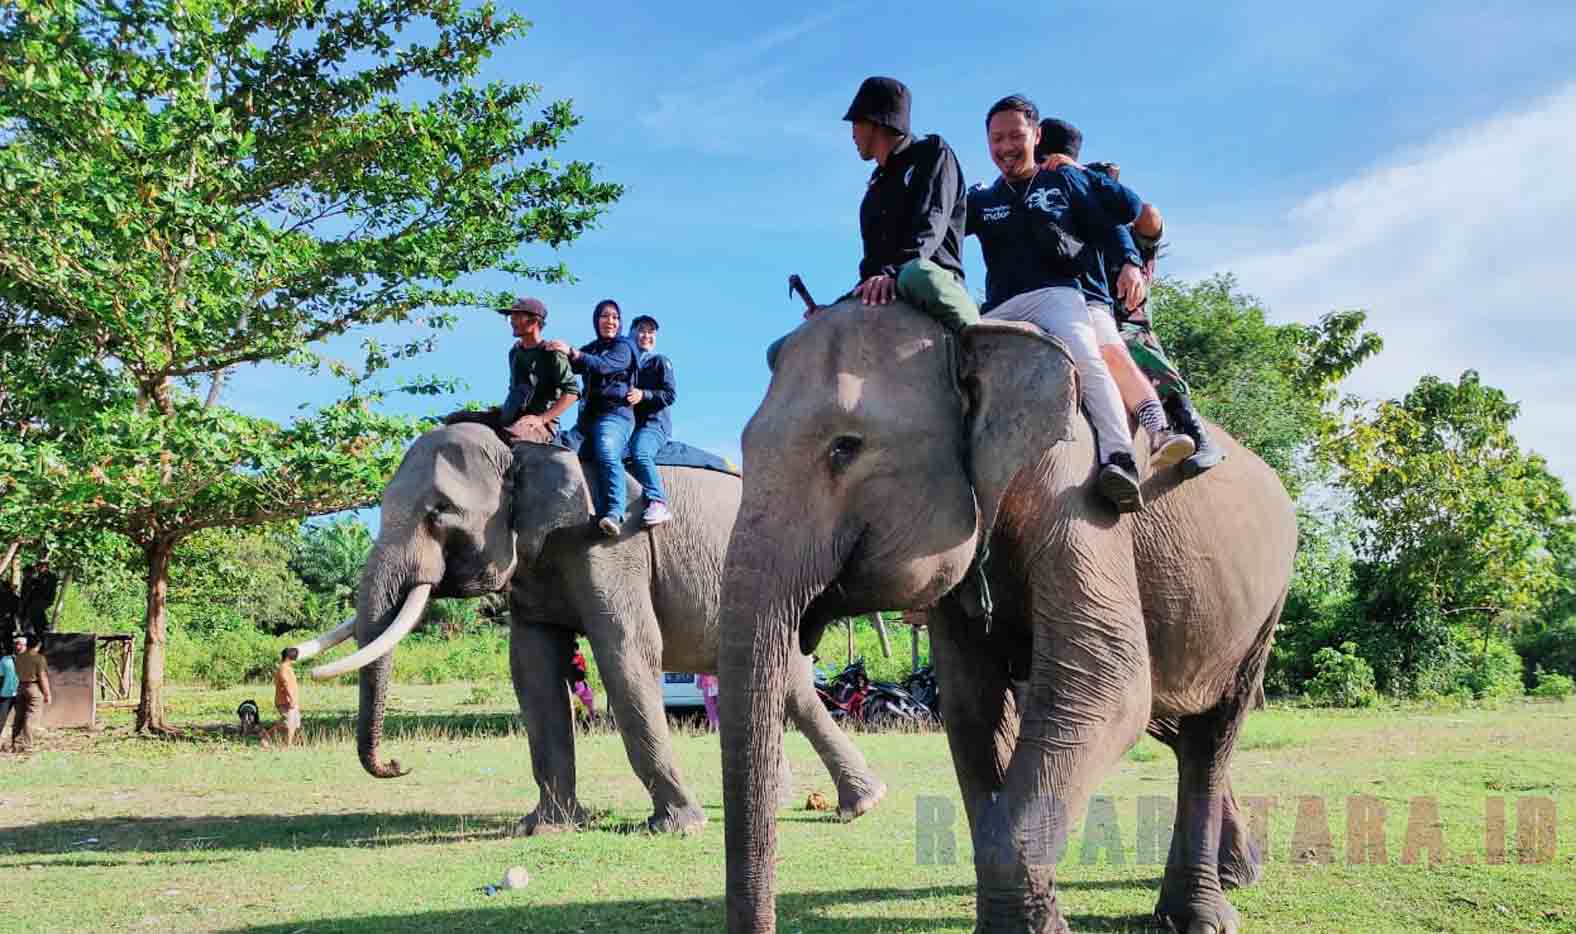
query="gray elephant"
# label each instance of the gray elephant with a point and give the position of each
(883, 449)
(464, 516)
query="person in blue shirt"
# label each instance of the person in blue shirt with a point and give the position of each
(8, 688)
(1034, 227)
(607, 366)
(1151, 386)
(653, 396)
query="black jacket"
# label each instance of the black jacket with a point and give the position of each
(913, 209)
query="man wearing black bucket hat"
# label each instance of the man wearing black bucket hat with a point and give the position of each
(911, 218)
(541, 385)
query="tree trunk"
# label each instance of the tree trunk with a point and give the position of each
(60, 601)
(150, 711)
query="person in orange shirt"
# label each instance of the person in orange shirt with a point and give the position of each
(287, 698)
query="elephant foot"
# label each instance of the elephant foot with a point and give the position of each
(1239, 871)
(1210, 916)
(545, 820)
(856, 802)
(1041, 918)
(682, 821)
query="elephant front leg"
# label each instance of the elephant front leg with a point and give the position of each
(977, 705)
(628, 647)
(1087, 702)
(858, 788)
(536, 655)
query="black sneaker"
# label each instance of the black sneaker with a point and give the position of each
(1186, 419)
(1119, 483)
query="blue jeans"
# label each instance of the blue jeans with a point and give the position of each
(648, 440)
(605, 442)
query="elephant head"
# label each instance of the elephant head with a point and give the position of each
(876, 461)
(456, 522)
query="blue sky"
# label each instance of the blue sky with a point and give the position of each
(1413, 162)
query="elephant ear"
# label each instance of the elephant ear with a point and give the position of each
(550, 493)
(1022, 388)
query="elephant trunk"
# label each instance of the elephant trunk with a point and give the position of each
(762, 606)
(382, 595)
(374, 680)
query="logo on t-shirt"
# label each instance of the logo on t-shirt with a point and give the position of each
(996, 212)
(1048, 200)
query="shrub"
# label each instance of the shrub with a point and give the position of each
(1342, 678)
(1553, 686)
(1491, 671)
(1552, 648)
(482, 695)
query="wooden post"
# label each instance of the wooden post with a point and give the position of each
(913, 644)
(881, 632)
(850, 640)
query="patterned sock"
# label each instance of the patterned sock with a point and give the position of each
(1152, 416)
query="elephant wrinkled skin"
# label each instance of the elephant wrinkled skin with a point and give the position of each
(881, 450)
(464, 515)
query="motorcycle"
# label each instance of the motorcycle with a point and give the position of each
(921, 685)
(851, 695)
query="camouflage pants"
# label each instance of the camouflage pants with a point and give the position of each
(1145, 349)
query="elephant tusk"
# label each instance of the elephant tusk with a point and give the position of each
(409, 616)
(321, 644)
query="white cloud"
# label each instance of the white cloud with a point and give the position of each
(725, 104)
(1459, 250)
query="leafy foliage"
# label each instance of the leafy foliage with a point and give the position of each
(1271, 385)
(231, 182)
(1458, 526)
(329, 561)
(1342, 678)
(1551, 685)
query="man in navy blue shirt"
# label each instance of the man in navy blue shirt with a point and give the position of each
(1033, 227)
(1151, 385)
(607, 366)
(653, 396)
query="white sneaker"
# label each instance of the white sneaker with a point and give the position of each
(656, 514)
(608, 526)
(1167, 448)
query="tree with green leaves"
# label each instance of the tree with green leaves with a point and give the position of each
(1272, 386)
(188, 186)
(1458, 526)
(329, 557)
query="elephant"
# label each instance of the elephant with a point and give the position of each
(885, 452)
(466, 515)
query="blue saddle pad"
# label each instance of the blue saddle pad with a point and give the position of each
(672, 454)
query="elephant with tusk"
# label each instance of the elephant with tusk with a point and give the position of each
(465, 515)
(884, 452)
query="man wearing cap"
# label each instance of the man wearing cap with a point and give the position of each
(653, 395)
(911, 218)
(541, 385)
(1151, 385)
(32, 675)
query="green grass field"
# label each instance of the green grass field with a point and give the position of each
(107, 832)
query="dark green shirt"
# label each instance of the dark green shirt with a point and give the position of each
(537, 379)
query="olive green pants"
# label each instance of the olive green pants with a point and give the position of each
(937, 293)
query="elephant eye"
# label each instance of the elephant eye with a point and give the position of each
(843, 451)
